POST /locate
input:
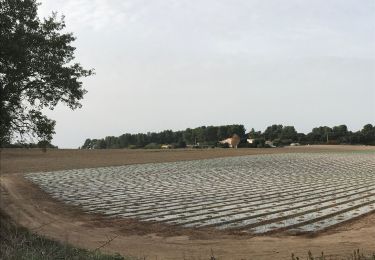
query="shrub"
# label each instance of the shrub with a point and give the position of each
(152, 146)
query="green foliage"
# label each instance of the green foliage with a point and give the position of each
(36, 71)
(152, 146)
(367, 134)
(289, 133)
(280, 132)
(319, 134)
(101, 144)
(179, 144)
(254, 134)
(341, 135)
(208, 136)
(273, 132)
(87, 144)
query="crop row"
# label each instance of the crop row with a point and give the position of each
(265, 193)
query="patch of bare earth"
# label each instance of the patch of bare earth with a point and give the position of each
(33, 160)
(34, 209)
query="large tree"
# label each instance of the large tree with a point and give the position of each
(36, 70)
(272, 132)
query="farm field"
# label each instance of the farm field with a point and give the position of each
(256, 194)
(34, 160)
(168, 205)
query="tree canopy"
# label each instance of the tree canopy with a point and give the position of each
(36, 70)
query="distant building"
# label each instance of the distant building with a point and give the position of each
(232, 141)
(250, 141)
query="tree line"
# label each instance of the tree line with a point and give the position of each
(200, 136)
(208, 136)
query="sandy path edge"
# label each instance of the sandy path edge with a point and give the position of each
(32, 208)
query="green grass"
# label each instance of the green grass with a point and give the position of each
(19, 243)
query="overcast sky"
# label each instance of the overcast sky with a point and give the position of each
(173, 64)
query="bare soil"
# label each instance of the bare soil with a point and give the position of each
(32, 160)
(34, 209)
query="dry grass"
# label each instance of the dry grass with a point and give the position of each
(19, 243)
(356, 255)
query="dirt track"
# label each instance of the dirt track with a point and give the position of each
(32, 208)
